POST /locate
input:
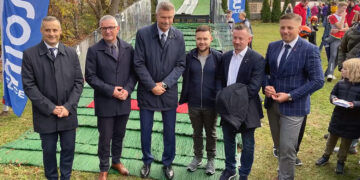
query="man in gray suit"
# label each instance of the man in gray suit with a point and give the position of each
(53, 82)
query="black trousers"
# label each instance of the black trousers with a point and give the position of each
(67, 144)
(111, 132)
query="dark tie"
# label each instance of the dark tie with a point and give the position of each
(284, 55)
(114, 52)
(52, 52)
(162, 40)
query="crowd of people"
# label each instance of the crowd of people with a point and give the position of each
(214, 84)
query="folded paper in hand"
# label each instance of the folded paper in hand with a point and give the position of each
(342, 103)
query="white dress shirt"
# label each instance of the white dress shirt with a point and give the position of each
(56, 48)
(292, 44)
(234, 66)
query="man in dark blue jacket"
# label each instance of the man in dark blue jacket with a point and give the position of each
(199, 91)
(242, 65)
(159, 62)
(109, 70)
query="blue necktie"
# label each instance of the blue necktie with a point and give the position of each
(52, 52)
(284, 55)
(162, 40)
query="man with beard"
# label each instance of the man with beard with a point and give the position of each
(199, 91)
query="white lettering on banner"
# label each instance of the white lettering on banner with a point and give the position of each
(25, 26)
(14, 52)
(237, 4)
(13, 83)
(30, 12)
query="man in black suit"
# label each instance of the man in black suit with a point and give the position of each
(242, 65)
(109, 71)
(53, 82)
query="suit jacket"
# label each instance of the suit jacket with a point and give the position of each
(103, 72)
(154, 63)
(300, 75)
(52, 82)
(251, 74)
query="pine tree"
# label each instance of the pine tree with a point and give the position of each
(276, 11)
(224, 5)
(247, 9)
(265, 11)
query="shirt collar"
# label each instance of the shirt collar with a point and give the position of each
(292, 43)
(110, 44)
(242, 53)
(48, 46)
(160, 31)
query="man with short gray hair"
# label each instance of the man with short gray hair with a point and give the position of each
(52, 80)
(159, 62)
(110, 73)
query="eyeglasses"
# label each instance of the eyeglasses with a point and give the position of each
(111, 28)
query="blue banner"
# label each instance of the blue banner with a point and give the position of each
(236, 6)
(21, 21)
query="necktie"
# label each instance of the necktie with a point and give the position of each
(114, 52)
(52, 52)
(162, 40)
(284, 55)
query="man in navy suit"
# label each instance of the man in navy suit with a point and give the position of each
(159, 61)
(109, 71)
(293, 73)
(242, 65)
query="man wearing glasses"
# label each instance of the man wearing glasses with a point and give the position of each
(110, 73)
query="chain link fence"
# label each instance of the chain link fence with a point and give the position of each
(130, 20)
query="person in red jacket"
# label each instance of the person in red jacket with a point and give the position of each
(350, 10)
(300, 9)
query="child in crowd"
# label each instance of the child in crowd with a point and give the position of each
(344, 122)
(314, 27)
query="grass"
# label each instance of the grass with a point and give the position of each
(265, 165)
(177, 3)
(202, 8)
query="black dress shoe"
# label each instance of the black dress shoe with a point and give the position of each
(145, 170)
(168, 171)
(340, 167)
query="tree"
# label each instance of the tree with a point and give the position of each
(247, 9)
(224, 5)
(102, 7)
(265, 11)
(276, 11)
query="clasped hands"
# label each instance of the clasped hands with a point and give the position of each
(60, 111)
(279, 97)
(120, 93)
(158, 89)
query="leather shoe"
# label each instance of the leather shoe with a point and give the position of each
(145, 170)
(168, 171)
(121, 168)
(103, 175)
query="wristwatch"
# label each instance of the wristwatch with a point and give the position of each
(164, 85)
(290, 98)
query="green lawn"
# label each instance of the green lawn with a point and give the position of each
(202, 8)
(265, 165)
(177, 3)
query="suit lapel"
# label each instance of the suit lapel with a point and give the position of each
(244, 64)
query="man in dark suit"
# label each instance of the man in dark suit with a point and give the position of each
(53, 82)
(159, 62)
(293, 73)
(242, 65)
(110, 72)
